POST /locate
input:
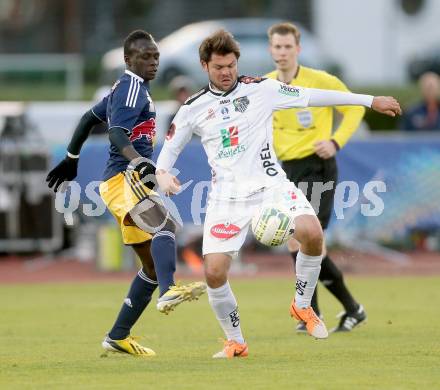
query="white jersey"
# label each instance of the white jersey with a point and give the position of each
(236, 132)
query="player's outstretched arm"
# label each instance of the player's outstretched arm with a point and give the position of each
(386, 105)
(383, 104)
(67, 169)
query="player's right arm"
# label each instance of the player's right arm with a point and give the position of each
(179, 134)
(67, 169)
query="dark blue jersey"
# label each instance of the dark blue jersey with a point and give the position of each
(130, 107)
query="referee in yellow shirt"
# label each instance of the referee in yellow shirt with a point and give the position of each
(306, 145)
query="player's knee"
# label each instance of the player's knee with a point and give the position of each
(216, 276)
(310, 235)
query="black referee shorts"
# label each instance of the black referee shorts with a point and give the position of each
(313, 169)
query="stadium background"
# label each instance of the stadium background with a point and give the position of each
(51, 70)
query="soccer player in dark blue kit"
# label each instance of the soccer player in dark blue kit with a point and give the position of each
(127, 190)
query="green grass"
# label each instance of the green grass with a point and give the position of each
(50, 338)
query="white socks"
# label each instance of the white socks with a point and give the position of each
(223, 303)
(307, 274)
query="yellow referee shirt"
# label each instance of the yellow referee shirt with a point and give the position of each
(297, 129)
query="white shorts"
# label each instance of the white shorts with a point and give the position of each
(227, 221)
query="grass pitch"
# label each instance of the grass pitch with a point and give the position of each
(50, 338)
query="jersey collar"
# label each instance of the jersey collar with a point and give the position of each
(130, 73)
(217, 92)
(295, 76)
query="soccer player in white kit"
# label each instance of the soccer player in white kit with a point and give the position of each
(233, 117)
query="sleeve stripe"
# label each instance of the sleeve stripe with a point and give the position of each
(135, 94)
(132, 94)
(129, 91)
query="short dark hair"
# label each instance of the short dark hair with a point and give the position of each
(133, 37)
(221, 42)
(284, 29)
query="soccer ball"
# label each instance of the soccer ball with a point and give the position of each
(273, 225)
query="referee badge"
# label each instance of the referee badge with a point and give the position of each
(305, 118)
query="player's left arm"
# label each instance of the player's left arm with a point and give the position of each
(67, 169)
(281, 96)
(383, 104)
(320, 98)
(351, 117)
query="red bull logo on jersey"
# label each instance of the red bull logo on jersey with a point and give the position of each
(145, 129)
(225, 230)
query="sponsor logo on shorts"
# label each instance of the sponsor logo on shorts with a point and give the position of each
(292, 195)
(225, 230)
(288, 90)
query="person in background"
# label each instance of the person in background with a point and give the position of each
(181, 88)
(305, 144)
(425, 115)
